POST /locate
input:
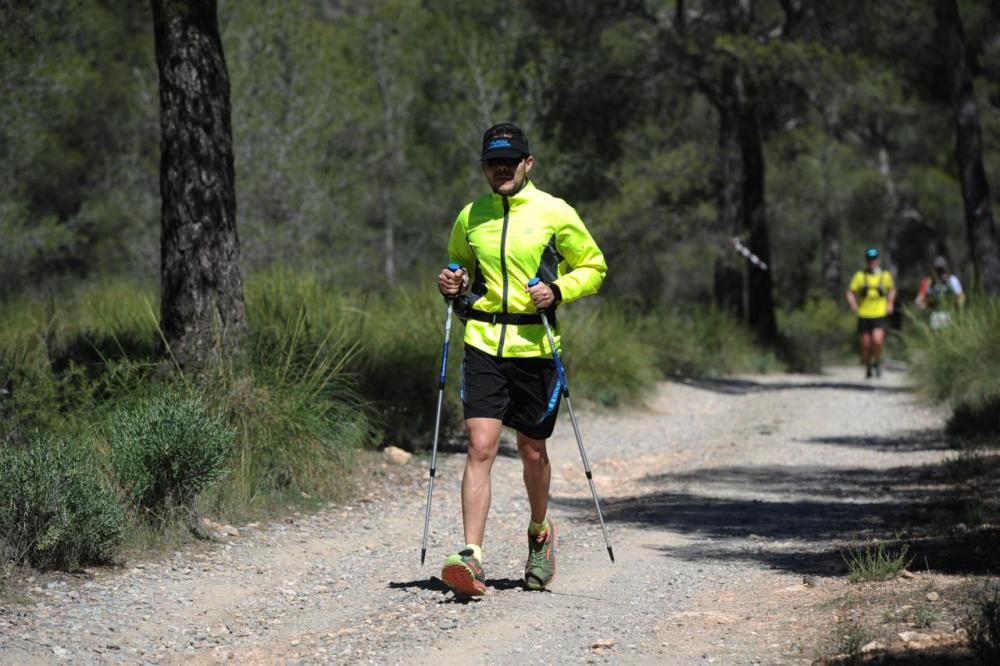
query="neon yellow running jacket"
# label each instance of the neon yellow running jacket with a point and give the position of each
(505, 241)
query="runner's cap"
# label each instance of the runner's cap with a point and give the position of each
(871, 253)
(940, 262)
(504, 140)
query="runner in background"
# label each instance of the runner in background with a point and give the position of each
(872, 295)
(940, 292)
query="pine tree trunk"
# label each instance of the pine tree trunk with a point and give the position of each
(202, 310)
(760, 312)
(741, 204)
(968, 151)
(728, 284)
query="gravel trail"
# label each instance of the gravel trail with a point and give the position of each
(721, 498)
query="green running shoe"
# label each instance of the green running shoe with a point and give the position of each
(541, 566)
(463, 573)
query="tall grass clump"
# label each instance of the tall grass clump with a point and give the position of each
(57, 508)
(960, 364)
(291, 398)
(872, 563)
(167, 449)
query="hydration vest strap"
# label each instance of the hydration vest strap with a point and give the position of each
(501, 318)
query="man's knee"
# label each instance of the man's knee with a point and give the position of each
(532, 451)
(483, 447)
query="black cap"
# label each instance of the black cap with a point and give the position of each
(871, 253)
(504, 140)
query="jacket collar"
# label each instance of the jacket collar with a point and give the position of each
(523, 195)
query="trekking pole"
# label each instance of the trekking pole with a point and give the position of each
(437, 420)
(576, 428)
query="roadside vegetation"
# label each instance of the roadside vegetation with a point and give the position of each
(960, 365)
(105, 443)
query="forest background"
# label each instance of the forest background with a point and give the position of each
(807, 131)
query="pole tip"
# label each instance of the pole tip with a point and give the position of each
(423, 552)
(611, 554)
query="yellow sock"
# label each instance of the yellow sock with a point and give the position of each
(477, 551)
(534, 529)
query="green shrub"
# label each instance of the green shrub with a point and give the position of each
(166, 449)
(819, 334)
(56, 508)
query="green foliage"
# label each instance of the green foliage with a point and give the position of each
(872, 563)
(701, 342)
(960, 364)
(818, 334)
(167, 449)
(605, 360)
(72, 354)
(57, 510)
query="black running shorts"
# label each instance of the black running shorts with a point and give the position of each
(522, 392)
(869, 324)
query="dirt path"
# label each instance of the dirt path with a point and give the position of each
(721, 498)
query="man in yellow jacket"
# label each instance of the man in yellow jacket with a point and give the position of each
(872, 295)
(501, 241)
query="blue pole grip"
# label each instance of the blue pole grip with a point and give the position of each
(453, 267)
(533, 281)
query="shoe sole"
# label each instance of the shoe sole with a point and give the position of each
(461, 580)
(541, 586)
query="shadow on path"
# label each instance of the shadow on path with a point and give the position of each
(908, 441)
(732, 386)
(802, 518)
(435, 584)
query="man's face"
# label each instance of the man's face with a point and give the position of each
(507, 175)
(872, 263)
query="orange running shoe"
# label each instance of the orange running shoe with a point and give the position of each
(463, 573)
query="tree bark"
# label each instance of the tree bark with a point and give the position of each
(202, 313)
(742, 203)
(760, 312)
(728, 283)
(979, 222)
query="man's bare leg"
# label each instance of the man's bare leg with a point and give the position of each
(866, 347)
(477, 489)
(878, 341)
(537, 474)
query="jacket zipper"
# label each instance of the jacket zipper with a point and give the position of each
(503, 271)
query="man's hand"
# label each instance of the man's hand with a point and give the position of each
(450, 282)
(542, 295)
